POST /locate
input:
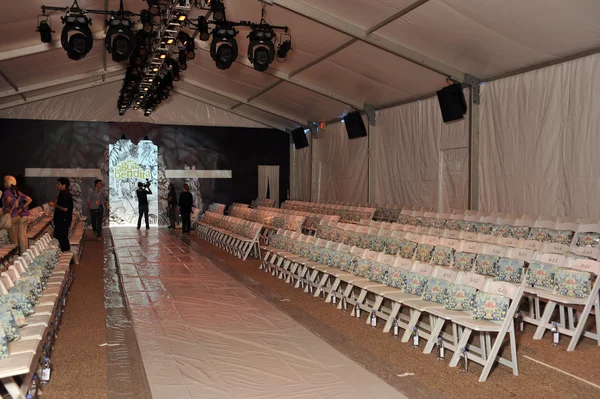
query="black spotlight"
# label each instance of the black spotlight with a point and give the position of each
(120, 40)
(45, 31)
(203, 28)
(153, 7)
(182, 60)
(224, 48)
(261, 51)
(190, 49)
(284, 48)
(218, 10)
(76, 37)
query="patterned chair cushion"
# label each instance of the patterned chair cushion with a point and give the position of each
(423, 253)
(464, 261)
(426, 222)
(510, 270)
(407, 250)
(588, 240)
(438, 223)
(377, 243)
(393, 245)
(3, 344)
(415, 283)
(486, 228)
(573, 283)
(326, 256)
(364, 240)
(397, 277)
(362, 268)
(7, 321)
(453, 225)
(521, 232)
(465, 225)
(354, 238)
(486, 264)
(490, 307)
(459, 297)
(539, 234)
(298, 247)
(442, 255)
(379, 273)
(504, 230)
(404, 219)
(435, 290)
(540, 274)
(338, 235)
(347, 262)
(324, 232)
(561, 236)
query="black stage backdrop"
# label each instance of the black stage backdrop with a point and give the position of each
(65, 144)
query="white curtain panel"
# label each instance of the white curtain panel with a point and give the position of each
(417, 159)
(300, 172)
(539, 141)
(339, 166)
(268, 178)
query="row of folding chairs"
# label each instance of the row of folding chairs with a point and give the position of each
(271, 219)
(237, 236)
(369, 278)
(25, 354)
(311, 220)
(347, 213)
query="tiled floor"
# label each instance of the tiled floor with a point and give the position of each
(204, 335)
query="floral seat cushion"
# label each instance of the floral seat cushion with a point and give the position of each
(379, 273)
(442, 255)
(591, 240)
(396, 277)
(486, 264)
(459, 297)
(393, 245)
(423, 253)
(348, 262)
(541, 275)
(504, 230)
(573, 283)
(435, 290)
(407, 250)
(377, 243)
(539, 234)
(561, 236)
(490, 306)
(362, 268)
(464, 261)
(521, 232)
(510, 270)
(415, 283)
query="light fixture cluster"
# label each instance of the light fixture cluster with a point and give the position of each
(159, 49)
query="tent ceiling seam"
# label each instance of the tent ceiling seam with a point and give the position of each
(12, 84)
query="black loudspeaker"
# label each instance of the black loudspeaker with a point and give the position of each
(300, 140)
(452, 103)
(355, 126)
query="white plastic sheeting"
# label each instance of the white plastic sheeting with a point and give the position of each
(339, 165)
(203, 334)
(416, 159)
(539, 141)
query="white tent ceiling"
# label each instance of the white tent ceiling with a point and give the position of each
(346, 54)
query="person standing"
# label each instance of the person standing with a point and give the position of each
(186, 202)
(96, 204)
(16, 203)
(142, 196)
(172, 205)
(63, 213)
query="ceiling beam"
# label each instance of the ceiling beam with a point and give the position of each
(290, 79)
(57, 82)
(39, 48)
(244, 101)
(227, 109)
(371, 38)
(60, 92)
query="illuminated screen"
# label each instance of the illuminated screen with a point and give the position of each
(129, 164)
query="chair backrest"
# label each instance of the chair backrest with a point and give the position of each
(413, 237)
(403, 263)
(321, 243)
(497, 250)
(503, 288)
(444, 274)
(526, 255)
(476, 281)
(553, 259)
(422, 268)
(344, 248)
(586, 241)
(384, 233)
(451, 243)
(471, 247)
(356, 251)
(371, 255)
(431, 240)
(362, 229)
(311, 240)
(374, 231)
(386, 259)
(586, 265)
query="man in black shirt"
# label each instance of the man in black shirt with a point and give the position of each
(172, 206)
(142, 196)
(186, 202)
(63, 213)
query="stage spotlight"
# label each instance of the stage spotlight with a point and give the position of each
(218, 10)
(284, 48)
(203, 28)
(190, 50)
(76, 37)
(182, 60)
(224, 47)
(120, 40)
(153, 7)
(45, 31)
(261, 50)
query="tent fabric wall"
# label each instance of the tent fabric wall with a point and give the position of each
(539, 141)
(268, 182)
(300, 172)
(416, 159)
(340, 169)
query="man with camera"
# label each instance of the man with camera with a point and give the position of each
(142, 195)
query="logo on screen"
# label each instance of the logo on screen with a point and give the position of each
(130, 170)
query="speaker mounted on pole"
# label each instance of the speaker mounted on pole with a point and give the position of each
(355, 127)
(299, 137)
(452, 103)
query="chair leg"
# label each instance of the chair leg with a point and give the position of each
(415, 315)
(462, 342)
(513, 349)
(545, 319)
(435, 333)
(492, 355)
(582, 321)
(394, 312)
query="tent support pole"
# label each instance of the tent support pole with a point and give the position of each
(473, 186)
